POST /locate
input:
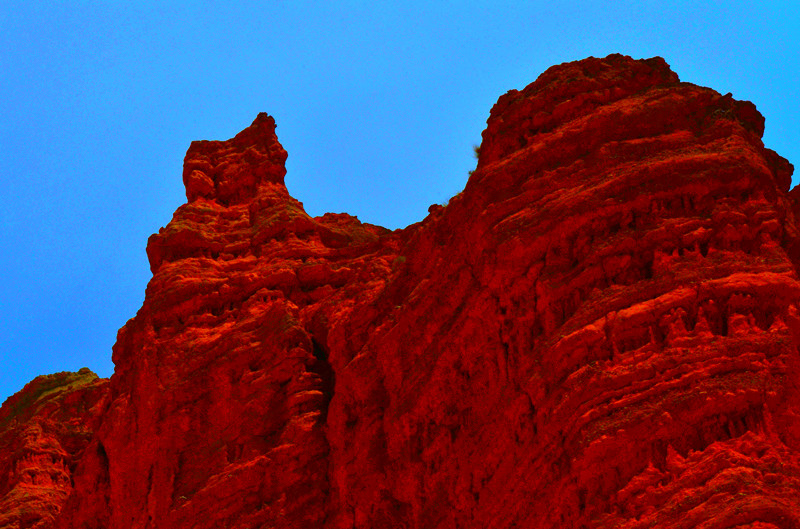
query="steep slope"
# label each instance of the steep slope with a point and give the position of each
(601, 330)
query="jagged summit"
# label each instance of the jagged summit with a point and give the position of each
(601, 330)
(232, 171)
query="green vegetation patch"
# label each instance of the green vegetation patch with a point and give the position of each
(40, 389)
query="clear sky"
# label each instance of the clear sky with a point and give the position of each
(378, 104)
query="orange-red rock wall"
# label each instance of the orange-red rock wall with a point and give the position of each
(45, 430)
(601, 330)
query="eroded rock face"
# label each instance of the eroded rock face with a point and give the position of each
(45, 429)
(601, 330)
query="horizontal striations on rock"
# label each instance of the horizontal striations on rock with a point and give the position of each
(45, 429)
(601, 330)
(223, 379)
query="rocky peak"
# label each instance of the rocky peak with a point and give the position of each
(564, 93)
(232, 172)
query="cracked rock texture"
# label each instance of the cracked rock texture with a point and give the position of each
(601, 330)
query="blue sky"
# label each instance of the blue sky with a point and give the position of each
(378, 105)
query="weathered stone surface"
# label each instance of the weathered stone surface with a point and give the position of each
(44, 430)
(601, 330)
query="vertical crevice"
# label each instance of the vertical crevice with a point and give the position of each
(322, 368)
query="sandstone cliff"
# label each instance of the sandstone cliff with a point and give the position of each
(601, 330)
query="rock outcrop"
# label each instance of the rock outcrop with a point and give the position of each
(601, 330)
(44, 431)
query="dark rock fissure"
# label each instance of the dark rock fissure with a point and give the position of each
(322, 368)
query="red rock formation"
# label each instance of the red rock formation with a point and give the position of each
(601, 330)
(44, 431)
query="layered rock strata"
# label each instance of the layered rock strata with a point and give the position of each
(45, 430)
(601, 330)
